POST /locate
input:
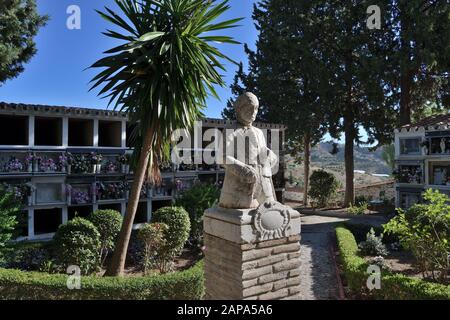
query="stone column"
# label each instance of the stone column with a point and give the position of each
(252, 254)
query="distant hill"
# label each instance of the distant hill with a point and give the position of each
(371, 162)
(321, 158)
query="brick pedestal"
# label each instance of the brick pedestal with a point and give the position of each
(244, 262)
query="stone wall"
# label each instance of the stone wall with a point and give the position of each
(265, 270)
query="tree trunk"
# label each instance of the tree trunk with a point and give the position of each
(405, 65)
(307, 153)
(405, 98)
(349, 161)
(116, 268)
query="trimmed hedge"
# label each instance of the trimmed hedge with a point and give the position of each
(393, 285)
(184, 285)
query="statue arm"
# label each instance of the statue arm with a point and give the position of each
(237, 168)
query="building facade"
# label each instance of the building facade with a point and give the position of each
(63, 162)
(422, 154)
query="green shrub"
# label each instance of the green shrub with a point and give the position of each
(177, 220)
(359, 209)
(393, 286)
(78, 243)
(323, 186)
(425, 230)
(26, 256)
(184, 285)
(108, 224)
(152, 236)
(195, 201)
(9, 209)
(373, 246)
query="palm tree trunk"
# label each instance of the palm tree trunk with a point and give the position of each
(117, 266)
(307, 153)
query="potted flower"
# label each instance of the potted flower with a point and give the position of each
(14, 165)
(124, 160)
(80, 164)
(48, 165)
(79, 196)
(96, 161)
(62, 162)
(111, 167)
(29, 161)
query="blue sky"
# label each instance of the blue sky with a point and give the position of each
(56, 74)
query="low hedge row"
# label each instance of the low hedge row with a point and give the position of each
(184, 285)
(393, 285)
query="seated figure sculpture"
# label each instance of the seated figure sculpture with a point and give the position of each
(248, 168)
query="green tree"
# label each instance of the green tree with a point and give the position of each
(19, 24)
(161, 77)
(195, 201)
(285, 76)
(418, 48)
(9, 209)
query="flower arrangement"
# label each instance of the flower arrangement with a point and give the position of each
(81, 164)
(179, 185)
(111, 167)
(96, 158)
(48, 164)
(79, 196)
(14, 165)
(21, 192)
(29, 159)
(407, 175)
(62, 161)
(114, 190)
(124, 159)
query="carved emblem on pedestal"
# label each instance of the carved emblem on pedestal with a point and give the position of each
(271, 221)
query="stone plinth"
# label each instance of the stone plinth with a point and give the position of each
(252, 254)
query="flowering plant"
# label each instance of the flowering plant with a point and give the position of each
(14, 164)
(79, 196)
(96, 158)
(29, 158)
(20, 192)
(124, 158)
(48, 165)
(80, 164)
(115, 190)
(62, 160)
(112, 167)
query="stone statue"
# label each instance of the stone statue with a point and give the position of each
(248, 169)
(442, 145)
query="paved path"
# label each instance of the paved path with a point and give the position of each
(317, 269)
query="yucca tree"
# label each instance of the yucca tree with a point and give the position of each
(161, 77)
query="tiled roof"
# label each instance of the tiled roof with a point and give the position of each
(437, 120)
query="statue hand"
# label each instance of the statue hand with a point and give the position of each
(248, 174)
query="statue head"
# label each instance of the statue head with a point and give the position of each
(246, 107)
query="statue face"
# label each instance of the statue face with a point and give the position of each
(247, 115)
(247, 108)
